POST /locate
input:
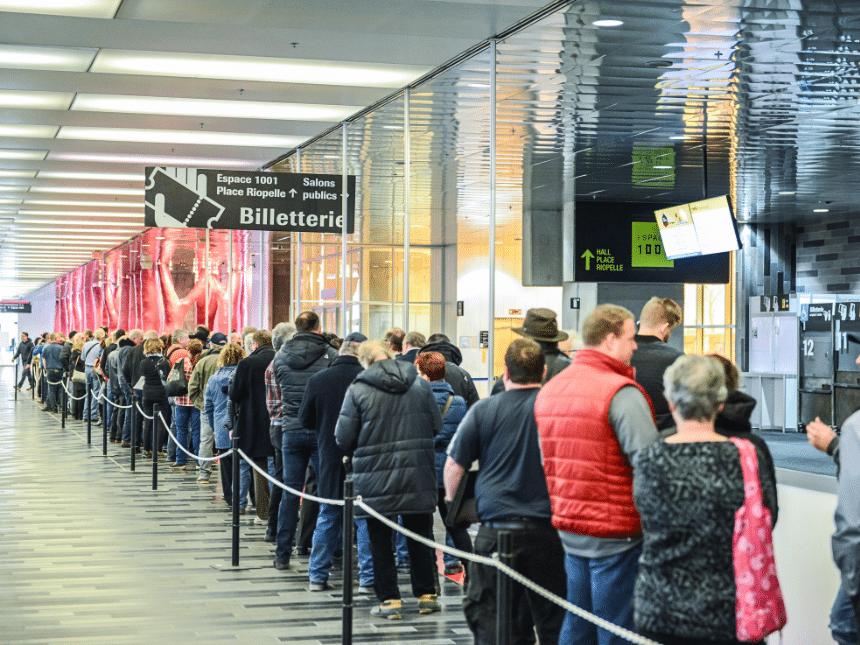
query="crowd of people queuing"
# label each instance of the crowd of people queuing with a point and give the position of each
(607, 459)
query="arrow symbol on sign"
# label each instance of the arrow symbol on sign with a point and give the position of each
(589, 256)
(292, 192)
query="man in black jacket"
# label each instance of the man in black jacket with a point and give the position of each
(459, 379)
(248, 393)
(66, 352)
(653, 356)
(296, 362)
(25, 352)
(319, 412)
(387, 425)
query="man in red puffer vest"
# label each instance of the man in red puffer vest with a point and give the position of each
(592, 418)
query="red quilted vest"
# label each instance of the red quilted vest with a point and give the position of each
(589, 478)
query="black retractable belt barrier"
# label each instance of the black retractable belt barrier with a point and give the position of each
(102, 411)
(234, 491)
(348, 528)
(153, 434)
(504, 591)
(64, 400)
(133, 429)
(89, 416)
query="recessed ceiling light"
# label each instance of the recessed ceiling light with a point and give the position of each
(28, 131)
(97, 176)
(607, 23)
(155, 160)
(821, 210)
(73, 202)
(255, 68)
(56, 59)
(212, 108)
(663, 167)
(392, 127)
(81, 214)
(192, 137)
(18, 174)
(482, 86)
(680, 137)
(78, 8)
(23, 155)
(7, 202)
(786, 192)
(85, 190)
(36, 100)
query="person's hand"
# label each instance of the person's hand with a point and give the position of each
(819, 434)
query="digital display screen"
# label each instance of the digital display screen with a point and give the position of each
(699, 228)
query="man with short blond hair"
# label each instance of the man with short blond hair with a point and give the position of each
(653, 355)
(412, 343)
(592, 419)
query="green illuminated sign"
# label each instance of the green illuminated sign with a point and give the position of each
(646, 247)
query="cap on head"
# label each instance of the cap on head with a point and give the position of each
(217, 338)
(355, 337)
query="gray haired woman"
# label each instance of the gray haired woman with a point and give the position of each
(687, 489)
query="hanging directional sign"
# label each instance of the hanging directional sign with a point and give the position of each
(620, 242)
(243, 200)
(15, 307)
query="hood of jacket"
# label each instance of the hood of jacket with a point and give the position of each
(125, 342)
(389, 376)
(450, 351)
(303, 350)
(736, 412)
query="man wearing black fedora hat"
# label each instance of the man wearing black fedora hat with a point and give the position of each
(541, 326)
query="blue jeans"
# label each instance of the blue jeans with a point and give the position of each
(187, 421)
(108, 406)
(245, 477)
(297, 448)
(126, 426)
(327, 536)
(603, 586)
(365, 558)
(94, 384)
(842, 624)
(401, 551)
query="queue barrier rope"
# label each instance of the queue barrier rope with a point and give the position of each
(104, 398)
(472, 557)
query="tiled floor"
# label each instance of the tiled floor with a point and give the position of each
(90, 554)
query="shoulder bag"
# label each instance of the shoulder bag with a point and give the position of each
(759, 607)
(79, 374)
(177, 382)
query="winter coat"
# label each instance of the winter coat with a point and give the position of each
(319, 411)
(450, 422)
(459, 379)
(387, 424)
(295, 363)
(154, 370)
(131, 367)
(114, 368)
(215, 405)
(203, 371)
(248, 392)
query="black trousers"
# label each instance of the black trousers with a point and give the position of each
(538, 555)
(161, 432)
(225, 463)
(459, 536)
(277, 491)
(422, 557)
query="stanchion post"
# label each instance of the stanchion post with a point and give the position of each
(235, 487)
(102, 407)
(87, 410)
(16, 380)
(133, 429)
(64, 400)
(348, 528)
(504, 589)
(153, 435)
(32, 384)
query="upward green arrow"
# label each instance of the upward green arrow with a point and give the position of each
(589, 256)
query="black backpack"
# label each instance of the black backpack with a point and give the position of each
(177, 382)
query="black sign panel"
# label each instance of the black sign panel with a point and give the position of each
(817, 317)
(15, 307)
(619, 242)
(242, 200)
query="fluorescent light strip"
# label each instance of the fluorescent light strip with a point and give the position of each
(108, 226)
(14, 235)
(14, 189)
(78, 8)
(155, 160)
(22, 212)
(255, 68)
(190, 137)
(211, 108)
(17, 174)
(9, 202)
(72, 202)
(55, 59)
(36, 100)
(27, 131)
(23, 155)
(95, 176)
(85, 190)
